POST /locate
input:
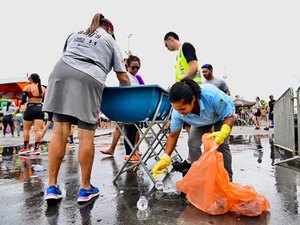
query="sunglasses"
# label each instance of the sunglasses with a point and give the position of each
(135, 67)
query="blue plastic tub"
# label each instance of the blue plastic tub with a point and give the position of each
(135, 103)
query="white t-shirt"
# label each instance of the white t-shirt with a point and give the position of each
(95, 55)
(133, 80)
(10, 110)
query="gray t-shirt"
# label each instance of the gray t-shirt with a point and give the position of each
(218, 83)
(95, 55)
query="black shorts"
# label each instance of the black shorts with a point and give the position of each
(258, 113)
(33, 112)
(81, 124)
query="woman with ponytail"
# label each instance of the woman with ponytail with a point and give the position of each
(202, 107)
(33, 94)
(74, 96)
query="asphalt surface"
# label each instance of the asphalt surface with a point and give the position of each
(22, 188)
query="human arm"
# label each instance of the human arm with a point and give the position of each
(24, 95)
(161, 166)
(189, 53)
(123, 78)
(224, 107)
(172, 141)
(193, 69)
(225, 130)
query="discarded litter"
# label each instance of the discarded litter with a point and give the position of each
(159, 185)
(38, 168)
(140, 173)
(142, 203)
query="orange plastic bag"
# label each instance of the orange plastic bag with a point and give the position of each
(207, 187)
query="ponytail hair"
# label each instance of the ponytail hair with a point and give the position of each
(95, 24)
(7, 105)
(36, 79)
(184, 90)
(100, 21)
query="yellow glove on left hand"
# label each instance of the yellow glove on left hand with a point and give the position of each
(161, 166)
(221, 135)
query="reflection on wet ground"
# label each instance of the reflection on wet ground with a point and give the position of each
(22, 188)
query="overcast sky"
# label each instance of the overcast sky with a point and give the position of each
(256, 43)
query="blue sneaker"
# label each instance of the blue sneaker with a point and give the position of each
(87, 195)
(53, 193)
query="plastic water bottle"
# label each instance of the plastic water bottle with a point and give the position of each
(159, 185)
(142, 203)
(142, 215)
(38, 168)
(140, 173)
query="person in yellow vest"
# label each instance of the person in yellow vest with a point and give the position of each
(186, 60)
(186, 66)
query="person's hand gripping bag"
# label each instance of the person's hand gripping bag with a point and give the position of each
(208, 188)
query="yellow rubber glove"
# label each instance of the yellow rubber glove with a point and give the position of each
(221, 135)
(161, 166)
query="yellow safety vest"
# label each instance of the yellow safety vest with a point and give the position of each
(182, 66)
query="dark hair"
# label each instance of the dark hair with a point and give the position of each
(132, 58)
(185, 89)
(7, 105)
(171, 34)
(207, 66)
(36, 79)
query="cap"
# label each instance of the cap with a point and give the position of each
(109, 24)
(207, 66)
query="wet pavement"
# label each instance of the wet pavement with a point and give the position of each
(22, 188)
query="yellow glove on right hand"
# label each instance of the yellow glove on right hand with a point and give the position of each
(161, 166)
(221, 135)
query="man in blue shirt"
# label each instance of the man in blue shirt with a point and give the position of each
(201, 106)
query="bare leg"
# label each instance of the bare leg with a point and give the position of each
(57, 149)
(26, 130)
(86, 155)
(258, 121)
(46, 128)
(38, 130)
(116, 137)
(255, 121)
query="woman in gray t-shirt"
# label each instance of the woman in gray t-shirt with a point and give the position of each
(74, 95)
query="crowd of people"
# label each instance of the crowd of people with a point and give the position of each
(199, 106)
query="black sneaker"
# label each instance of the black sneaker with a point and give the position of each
(181, 166)
(185, 171)
(266, 128)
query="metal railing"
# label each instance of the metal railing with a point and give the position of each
(287, 123)
(284, 131)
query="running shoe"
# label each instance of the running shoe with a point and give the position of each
(139, 153)
(181, 166)
(53, 193)
(132, 159)
(86, 195)
(24, 151)
(35, 152)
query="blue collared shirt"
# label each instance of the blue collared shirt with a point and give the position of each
(215, 106)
